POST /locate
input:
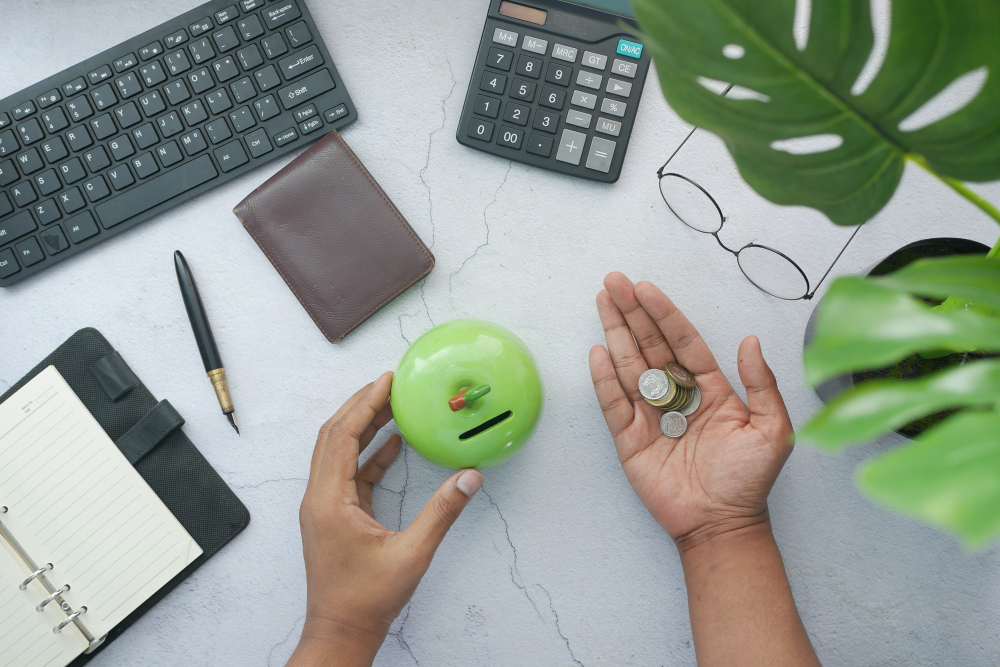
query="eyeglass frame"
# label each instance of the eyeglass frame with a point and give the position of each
(660, 175)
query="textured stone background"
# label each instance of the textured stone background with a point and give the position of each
(557, 562)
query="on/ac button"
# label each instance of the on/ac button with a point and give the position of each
(630, 49)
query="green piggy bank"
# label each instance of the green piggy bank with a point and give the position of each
(467, 394)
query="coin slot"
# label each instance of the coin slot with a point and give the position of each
(485, 426)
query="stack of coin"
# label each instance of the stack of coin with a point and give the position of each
(670, 389)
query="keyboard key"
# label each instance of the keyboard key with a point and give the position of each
(274, 45)
(8, 142)
(624, 68)
(201, 50)
(23, 193)
(613, 107)
(170, 124)
(144, 165)
(47, 212)
(250, 5)
(571, 147)
(226, 15)
(177, 92)
(535, 45)
(96, 189)
(8, 173)
(225, 69)
(510, 137)
(8, 265)
(46, 100)
(499, 59)
(29, 161)
(601, 153)
(72, 171)
(47, 182)
(5, 206)
(150, 51)
(226, 39)
(298, 34)
(242, 119)
(286, 136)
(55, 120)
(281, 13)
(30, 131)
(619, 87)
(71, 200)
(77, 85)
(480, 129)
(563, 52)
(546, 121)
(594, 60)
(177, 63)
(300, 62)
(152, 104)
(516, 113)
(22, 110)
(16, 227)
(204, 25)
(152, 74)
(120, 177)
(79, 138)
(79, 109)
(175, 39)
(128, 115)
(121, 147)
(267, 78)
(29, 252)
(528, 66)
(218, 130)
(243, 90)
(522, 90)
(336, 112)
(552, 97)
(585, 100)
(231, 156)
(194, 113)
(608, 126)
(193, 142)
(145, 136)
(539, 145)
(99, 74)
(588, 80)
(103, 127)
(53, 240)
(258, 142)
(310, 126)
(487, 106)
(4, 120)
(251, 28)
(54, 150)
(558, 74)
(82, 227)
(169, 154)
(200, 80)
(125, 63)
(493, 83)
(501, 36)
(97, 159)
(578, 118)
(306, 89)
(104, 97)
(249, 57)
(266, 108)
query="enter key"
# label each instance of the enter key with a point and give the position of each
(300, 62)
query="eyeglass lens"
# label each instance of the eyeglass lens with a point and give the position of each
(772, 272)
(690, 204)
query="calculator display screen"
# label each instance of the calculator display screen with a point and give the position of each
(620, 7)
(529, 14)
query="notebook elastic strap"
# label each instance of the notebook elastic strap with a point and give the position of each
(149, 431)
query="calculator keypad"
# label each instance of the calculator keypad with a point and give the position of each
(551, 101)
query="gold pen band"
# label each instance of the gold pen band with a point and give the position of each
(218, 378)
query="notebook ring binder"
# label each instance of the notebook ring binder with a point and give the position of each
(34, 575)
(53, 596)
(69, 619)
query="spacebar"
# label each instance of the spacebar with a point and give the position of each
(156, 191)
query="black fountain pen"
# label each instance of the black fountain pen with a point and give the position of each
(203, 335)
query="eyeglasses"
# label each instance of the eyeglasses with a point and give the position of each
(769, 270)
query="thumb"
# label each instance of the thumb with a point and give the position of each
(767, 409)
(431, 525)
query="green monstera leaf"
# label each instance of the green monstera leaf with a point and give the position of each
(790, 93)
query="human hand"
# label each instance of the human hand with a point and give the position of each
(360, 574)
(716, 477)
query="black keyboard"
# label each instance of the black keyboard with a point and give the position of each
(156, 120)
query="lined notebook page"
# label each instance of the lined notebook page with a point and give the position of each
(75, 501)
(26, 638)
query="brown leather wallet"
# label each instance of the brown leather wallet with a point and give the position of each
(334, 236)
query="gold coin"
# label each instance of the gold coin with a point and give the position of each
(680, 375)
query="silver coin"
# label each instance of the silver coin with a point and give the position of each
(693, 404)
(654, 384)
(673, 424)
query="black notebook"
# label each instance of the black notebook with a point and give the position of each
(105, 505)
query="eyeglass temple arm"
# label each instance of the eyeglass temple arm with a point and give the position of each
(659, 172)
(835, 260)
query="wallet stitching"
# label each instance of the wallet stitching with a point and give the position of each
(419, 243)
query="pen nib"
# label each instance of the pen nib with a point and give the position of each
(232, 420)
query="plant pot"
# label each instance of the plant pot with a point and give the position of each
(937, 247)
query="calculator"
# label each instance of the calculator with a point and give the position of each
(556, 85)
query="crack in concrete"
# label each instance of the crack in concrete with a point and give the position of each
(402, 491)
(510, 165)
(555, 615)
(270, 481)
(515, 574)
(430, 146)
(285, 640)
(398, 634)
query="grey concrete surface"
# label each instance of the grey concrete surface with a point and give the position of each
(557, 562)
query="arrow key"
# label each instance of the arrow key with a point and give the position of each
(619, 87)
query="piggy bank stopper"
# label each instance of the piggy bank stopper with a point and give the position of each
(467, 396)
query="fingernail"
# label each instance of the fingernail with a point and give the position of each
(469, 482)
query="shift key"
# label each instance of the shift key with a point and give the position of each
(308, 88)
(16, 227)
